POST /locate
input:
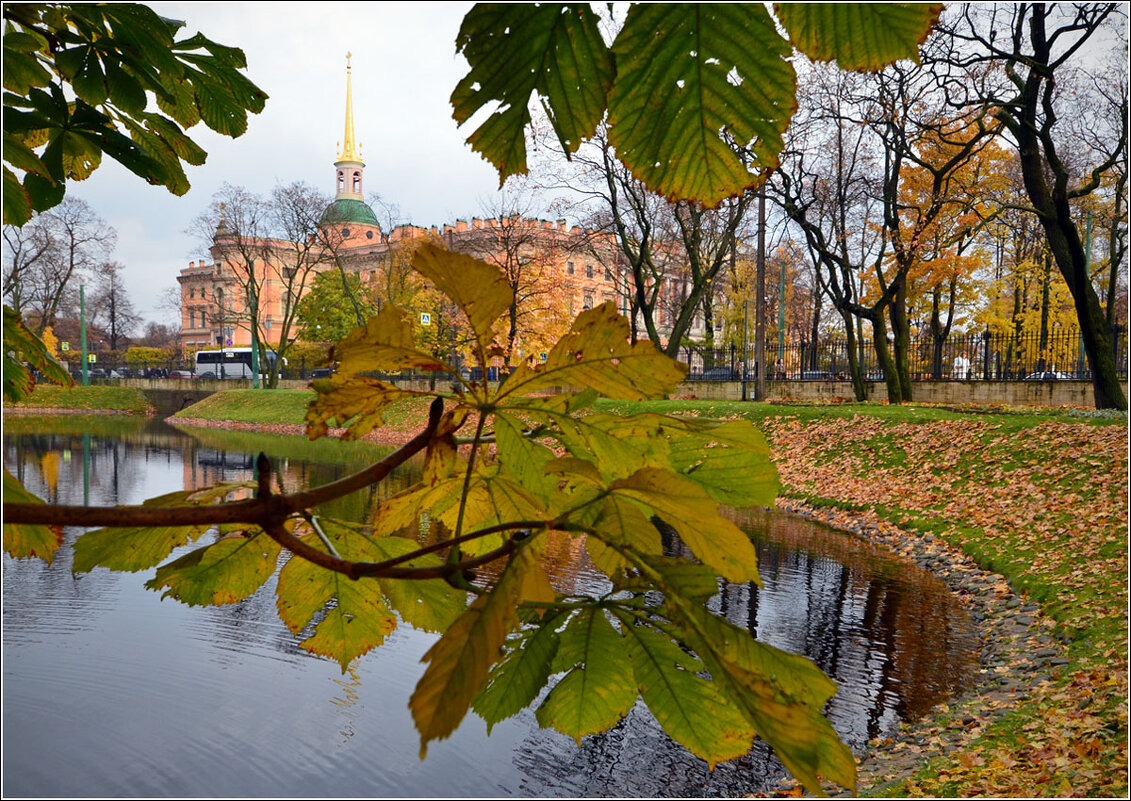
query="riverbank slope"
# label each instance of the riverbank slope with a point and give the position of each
(1023, 513)
(52, 399)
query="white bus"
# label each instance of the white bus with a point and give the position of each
(231, 363)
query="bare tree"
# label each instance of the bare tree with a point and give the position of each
(1011, 60)
(27, 248)
(110, 305)
(828, 186)
(896, 111)
(45, 257)
(160, 335)
(527, 256)
(268, 252)
(674, 253)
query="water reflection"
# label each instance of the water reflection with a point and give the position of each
(132, 696)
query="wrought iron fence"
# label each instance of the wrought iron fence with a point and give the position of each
(971, 357)
(1059, 355)
(299, 369)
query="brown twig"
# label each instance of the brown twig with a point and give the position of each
(264, 510)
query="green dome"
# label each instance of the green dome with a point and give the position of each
(344, 210)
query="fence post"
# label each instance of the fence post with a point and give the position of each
(986, 355)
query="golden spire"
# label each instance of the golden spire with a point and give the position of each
(348, 150)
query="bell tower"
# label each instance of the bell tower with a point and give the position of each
(353, 221)
(349, 165)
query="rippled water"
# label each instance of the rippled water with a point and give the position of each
(110, 692)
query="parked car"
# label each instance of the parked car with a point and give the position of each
(321, 372)
(183, 374)
(1047, 375)
(718, 374)
(816, 375)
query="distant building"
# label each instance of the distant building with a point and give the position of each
(580, 268)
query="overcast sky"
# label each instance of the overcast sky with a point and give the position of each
(404, 69)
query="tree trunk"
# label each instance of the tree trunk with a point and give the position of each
(854, 367)
(886, 363)
(901, 334)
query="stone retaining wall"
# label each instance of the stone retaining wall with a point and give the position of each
(1008, 393)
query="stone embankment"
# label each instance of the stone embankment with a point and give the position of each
(1018, 647)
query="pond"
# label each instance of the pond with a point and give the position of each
(110, 692)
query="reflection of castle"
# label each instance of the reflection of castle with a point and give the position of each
(575, 269)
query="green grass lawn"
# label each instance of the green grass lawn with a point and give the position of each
(1037, 495)
(92, 399)
(257, 406)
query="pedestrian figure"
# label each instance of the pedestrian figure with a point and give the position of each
(961, 369)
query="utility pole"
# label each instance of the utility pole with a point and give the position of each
(82, 334)
(1081, 359)
(745, 347)
(760, 303)
(254, 326)
(781, 313)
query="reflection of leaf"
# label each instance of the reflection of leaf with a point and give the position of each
(222, 573)
(478, 288)
(596, 354)
(22, 540)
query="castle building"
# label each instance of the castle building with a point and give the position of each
(253, 279)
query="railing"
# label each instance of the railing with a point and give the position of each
(971, 357)
(295, 370)
(982, 356)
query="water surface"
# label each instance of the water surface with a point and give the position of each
(108, 691)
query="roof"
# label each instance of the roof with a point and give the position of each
(345, 210)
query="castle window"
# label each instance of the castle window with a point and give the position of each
(368, 234)
(588, 270)
(569, 267)
(192, 294)
(608, 273)
(588, 301)
(341, 180)
(357, 182)
(345, 232)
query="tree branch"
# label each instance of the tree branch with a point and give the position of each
(263, 510)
